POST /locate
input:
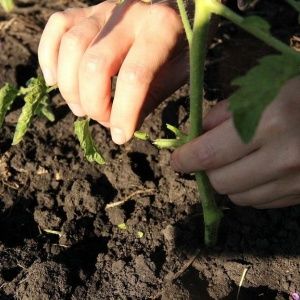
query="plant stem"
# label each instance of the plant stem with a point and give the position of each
(294, 4)
(52, 88)
(212, 214)
(216, 7)
(185, 20)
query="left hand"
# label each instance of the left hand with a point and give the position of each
(264, 173)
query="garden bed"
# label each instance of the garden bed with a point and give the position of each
(58, 239)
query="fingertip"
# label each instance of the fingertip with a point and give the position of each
(76, 109)
(49, 76)
(118, 135)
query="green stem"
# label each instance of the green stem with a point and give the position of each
(52, 88)
(216, 7)
(185, 20)
(212, 214)
(294, 4)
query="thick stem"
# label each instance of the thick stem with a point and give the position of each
(212, 214)
(216, 7)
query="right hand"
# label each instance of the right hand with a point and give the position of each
(81, 49)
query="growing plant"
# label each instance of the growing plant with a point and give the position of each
(8, 5)
(246, 104)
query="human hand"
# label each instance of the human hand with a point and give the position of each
(264, 173)
(81, 49)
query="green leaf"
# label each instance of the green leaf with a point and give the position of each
(141, 135)
(44, 109)
(81, 129)
(8, 5)
(257, 22)
(34, 94)
(8, 94)
(257, 89)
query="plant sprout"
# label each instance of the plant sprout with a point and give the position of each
(246, 104)
(8, 5)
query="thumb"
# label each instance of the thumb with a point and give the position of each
(217, 115)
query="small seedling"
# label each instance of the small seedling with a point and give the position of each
(255, 91)
(8, 5)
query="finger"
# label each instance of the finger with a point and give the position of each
(159, 90)
(217, 115)
(101, 61)
(73, 45)
(269, 192)
(262, 166)
(141, 65)
(214, 149)
(280, 203)
(58, 24)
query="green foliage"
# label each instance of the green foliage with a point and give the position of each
(257, 89)
(257, 22)
(8, 5)
(81, 129)
(141, 135)
(44, 109)
(180, 139)
(8, 94)
(35, 93)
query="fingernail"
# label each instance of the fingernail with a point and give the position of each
(76, 109)
(49, 77)
(118, 135)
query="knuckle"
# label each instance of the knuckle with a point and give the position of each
(94, 63)
(291, 160)
(273, 124)
(73, 38)
(136, 74)
(59, 17)
(161, 13)
(206, 155)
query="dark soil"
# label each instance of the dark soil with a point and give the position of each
(46, 184)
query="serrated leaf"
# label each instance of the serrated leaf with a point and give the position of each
(257, 22)
(257, 89)
(8, 94)
(34, 94)
(81, 129)
(8, 5)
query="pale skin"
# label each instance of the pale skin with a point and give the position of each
(81, 49)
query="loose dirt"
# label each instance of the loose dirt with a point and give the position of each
(59, 241)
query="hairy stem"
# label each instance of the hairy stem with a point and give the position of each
(185, 20)
(212, 214)
(216, 7)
